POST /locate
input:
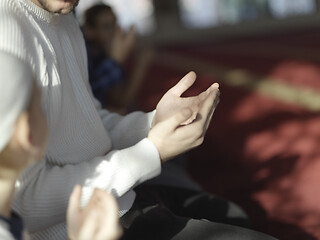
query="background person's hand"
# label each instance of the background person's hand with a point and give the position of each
(172, 136)
(122, 44)
(96, 221)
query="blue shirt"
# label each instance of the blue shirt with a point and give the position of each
(104, 73)
(15, 224)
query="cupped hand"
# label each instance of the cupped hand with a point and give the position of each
(176, 133)
(96, 221)
(172, 102)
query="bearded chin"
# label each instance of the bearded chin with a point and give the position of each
(45, 5)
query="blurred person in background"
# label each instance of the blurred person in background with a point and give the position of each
(108, 48)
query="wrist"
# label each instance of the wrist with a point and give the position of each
(157, 143)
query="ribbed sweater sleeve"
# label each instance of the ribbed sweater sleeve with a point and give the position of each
(125, 130)
(44, 199)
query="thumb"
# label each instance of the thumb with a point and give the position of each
(74, 200)
(178, 119)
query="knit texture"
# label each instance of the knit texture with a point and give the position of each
(87, 145)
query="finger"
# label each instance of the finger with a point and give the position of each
(112, 210)
(110, 225)
(131, 34)
(205, 94)
(74, 200)
(95, 213)
(207, 106)
(89, 227)
(215, 86)
(178, 119)
(213, 108)
(184, 84)
(97, 199)
(132, 30)
(109, 233)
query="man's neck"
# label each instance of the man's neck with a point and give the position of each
(7, 186)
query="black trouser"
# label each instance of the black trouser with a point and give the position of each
(163, 213)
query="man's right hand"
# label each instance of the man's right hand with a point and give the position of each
(173, 137)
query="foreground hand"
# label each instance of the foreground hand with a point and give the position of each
(172, 102)
(172, 136)
(97, 221)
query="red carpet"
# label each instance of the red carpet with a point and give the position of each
(262, 149)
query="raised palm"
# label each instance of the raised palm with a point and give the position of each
(172, 102)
